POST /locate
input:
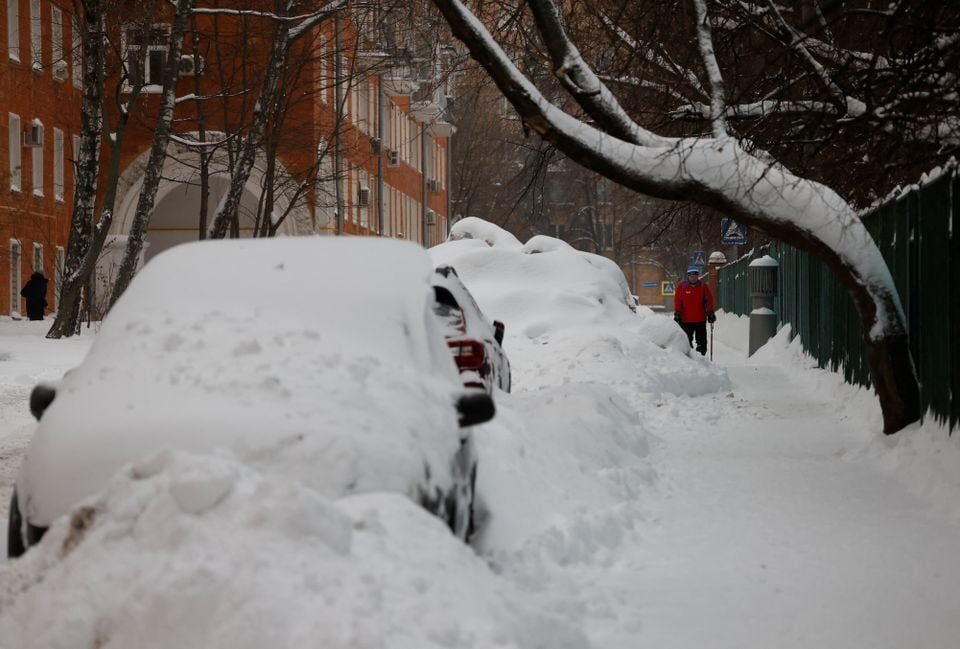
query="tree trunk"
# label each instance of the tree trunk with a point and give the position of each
(229, 210)
(158, 152)
(86, 171)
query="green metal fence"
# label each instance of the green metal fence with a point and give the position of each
(919, 237)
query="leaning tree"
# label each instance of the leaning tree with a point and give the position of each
(716, 170)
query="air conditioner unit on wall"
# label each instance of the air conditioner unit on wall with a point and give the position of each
(375, 145)
(363, 197)
(188, 65)
(433, 186)
(34, 135)
(60, 70)
(393, 158)
(431, 217)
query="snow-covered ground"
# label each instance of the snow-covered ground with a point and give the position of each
(634, 495)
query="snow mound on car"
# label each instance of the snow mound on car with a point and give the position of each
(195, 551)
(542, 243)
(539, 292)
(472, 227)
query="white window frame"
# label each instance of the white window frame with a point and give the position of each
(150, 85)
(13, 30)
(324, 82)
(15, 277)
(36, 153)
(61, 261)
(36, 36)
(58, 182)
(75, 142)
(37, 257)
(56, 34)
(15, 157)
(76, 53)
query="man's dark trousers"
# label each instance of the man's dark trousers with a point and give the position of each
(700, 330)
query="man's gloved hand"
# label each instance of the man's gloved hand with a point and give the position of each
(711, 317)
(676, 316)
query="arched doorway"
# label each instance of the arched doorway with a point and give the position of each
(176, 216)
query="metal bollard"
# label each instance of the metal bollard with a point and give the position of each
(763, 290)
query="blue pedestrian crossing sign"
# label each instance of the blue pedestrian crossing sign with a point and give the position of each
(732, 232)
(698, 258)
(667, 288)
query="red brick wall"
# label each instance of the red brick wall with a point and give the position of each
(34, 94)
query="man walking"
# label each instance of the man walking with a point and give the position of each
(693, 308)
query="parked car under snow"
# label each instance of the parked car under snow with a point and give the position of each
(475, 342)
(319, 360)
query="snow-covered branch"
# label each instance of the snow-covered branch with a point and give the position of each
(720, 173)
(651, 56)
(854, 107)
(579, 79)
(705, 43)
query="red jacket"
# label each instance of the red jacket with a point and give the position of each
(693, 301)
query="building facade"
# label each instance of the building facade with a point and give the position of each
(40, 116)
(357, 144)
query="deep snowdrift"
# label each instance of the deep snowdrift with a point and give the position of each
(199, 551)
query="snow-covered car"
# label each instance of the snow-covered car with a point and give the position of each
(318, 360)
(475, 342)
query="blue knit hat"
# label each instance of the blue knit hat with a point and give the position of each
(693, 270)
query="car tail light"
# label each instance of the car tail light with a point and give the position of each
(469, 354)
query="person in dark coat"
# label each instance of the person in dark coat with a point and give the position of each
(693, 308)
(35, 292)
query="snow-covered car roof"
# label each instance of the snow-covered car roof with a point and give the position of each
(542, 284)
(301, 356)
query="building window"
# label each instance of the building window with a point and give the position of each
(76, 53)
(13, 30)
(145, 54)
(36, 42)
(58, 164)
(76, 156)
(16, 174)
(15, 252)
(58, 276)
(323, 69)
(56, 40)
(38, 257)
(37, 153)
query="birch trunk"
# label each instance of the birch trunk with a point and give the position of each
(87, 171)
(161, 137)
(229, 210)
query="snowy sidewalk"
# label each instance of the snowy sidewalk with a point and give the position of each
(767, 536)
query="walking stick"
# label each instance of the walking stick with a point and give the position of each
(711, 342)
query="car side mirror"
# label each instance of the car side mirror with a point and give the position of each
(498, 329)
(475, 408)
(40, 398)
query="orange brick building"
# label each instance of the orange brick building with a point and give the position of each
(40, 119)
(363, 149)
(379, 163)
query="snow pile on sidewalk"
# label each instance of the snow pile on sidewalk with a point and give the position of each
(925, 457)
(199, 552)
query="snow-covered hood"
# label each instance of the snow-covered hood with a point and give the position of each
(254, 350)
